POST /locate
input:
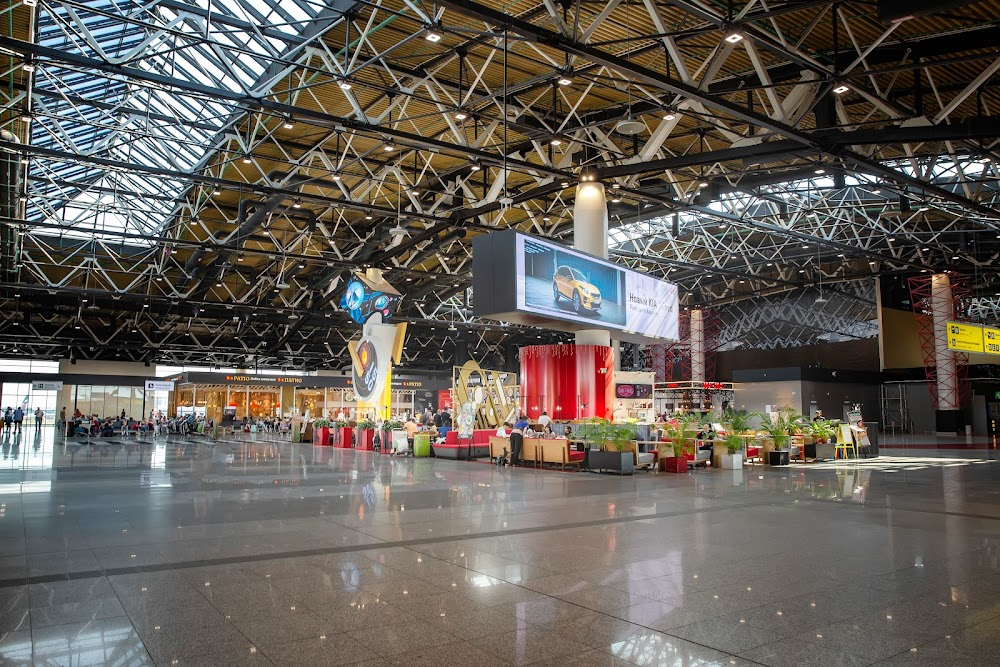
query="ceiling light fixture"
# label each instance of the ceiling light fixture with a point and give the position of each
(475, 166)
(564, 80)
(247, 159)
(432, 35)
(289, 123)
(389, 147)
(734, 38)
(820, 171)
(669, 115)
(556, 142)
(461, 115)
(345, 84)
(216, 192)
(336, 177)
(841, 89)
(296, 204)
(702, 184)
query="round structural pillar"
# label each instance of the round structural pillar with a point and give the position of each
(590, 235)
(697, 344)
(948, 417)
(567, 381)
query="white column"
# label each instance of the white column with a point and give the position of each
(697, 346)
(942, 310)
(590, 234)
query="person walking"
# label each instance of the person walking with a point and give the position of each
(39, 416)
(517, 439)
(18, 419)
(62, 420)
(8, 419)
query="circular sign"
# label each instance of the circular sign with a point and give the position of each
(366, 377)
(625, 391)
(355, 295)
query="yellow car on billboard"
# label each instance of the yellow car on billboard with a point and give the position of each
(570, 283)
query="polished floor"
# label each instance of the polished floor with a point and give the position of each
(176, 552)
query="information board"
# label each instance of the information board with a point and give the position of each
(965, 337)
(991, 340)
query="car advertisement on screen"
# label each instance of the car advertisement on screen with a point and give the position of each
(558, 282)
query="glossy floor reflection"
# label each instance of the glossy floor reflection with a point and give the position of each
(175, 551)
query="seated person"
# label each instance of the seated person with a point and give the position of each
(80, 429)
(503, 430)
(568, 432)
(547, 432)
(107, 429)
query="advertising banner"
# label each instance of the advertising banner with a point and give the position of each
(557, 282)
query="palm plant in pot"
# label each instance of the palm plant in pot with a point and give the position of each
(681, 439)
(777, 428)
(733, 458)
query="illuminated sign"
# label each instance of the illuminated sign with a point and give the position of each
(255, 379)
(965, 337)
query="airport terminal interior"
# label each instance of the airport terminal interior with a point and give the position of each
(393, 332)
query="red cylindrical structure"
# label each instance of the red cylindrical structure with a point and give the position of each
(567, 381)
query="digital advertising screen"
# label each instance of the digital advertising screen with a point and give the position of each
(550, 284)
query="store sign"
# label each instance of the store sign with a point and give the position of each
(46, 386)
(634, 390)
(965, 337)
(159, 385)
(258, 379)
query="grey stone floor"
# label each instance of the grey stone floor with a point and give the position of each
(252, 553)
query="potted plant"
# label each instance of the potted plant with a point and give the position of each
(342, 436)
(321, 432)
(617, 438)
(778, 429)
(388, 434)
(366, 434)
(733, 458)
(679, 434)
(593, 433)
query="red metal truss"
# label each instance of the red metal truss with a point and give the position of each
(679, 353)
(920, 298)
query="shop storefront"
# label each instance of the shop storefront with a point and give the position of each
(263, 396)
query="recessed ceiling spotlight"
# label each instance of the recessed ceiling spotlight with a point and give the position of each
(734, 38)
(841, 89)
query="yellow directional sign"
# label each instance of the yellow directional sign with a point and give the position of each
(965, 337)
(991, 340)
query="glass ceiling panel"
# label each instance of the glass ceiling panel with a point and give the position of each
(127, 123)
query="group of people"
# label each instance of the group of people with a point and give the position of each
(522, 429)
(13, 418)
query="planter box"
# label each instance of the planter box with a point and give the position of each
(343, 437)
(777, 458)
(732, 461)
(321, 436)
(621, 462)
(366, 439)
(676, 464)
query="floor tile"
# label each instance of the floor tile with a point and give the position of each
(460, 653)
(660, 649)
(523, 647)
(393, 640)
(319, 652)
(792, 652)
(102, 642)
(76, 612)
(15, 648)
